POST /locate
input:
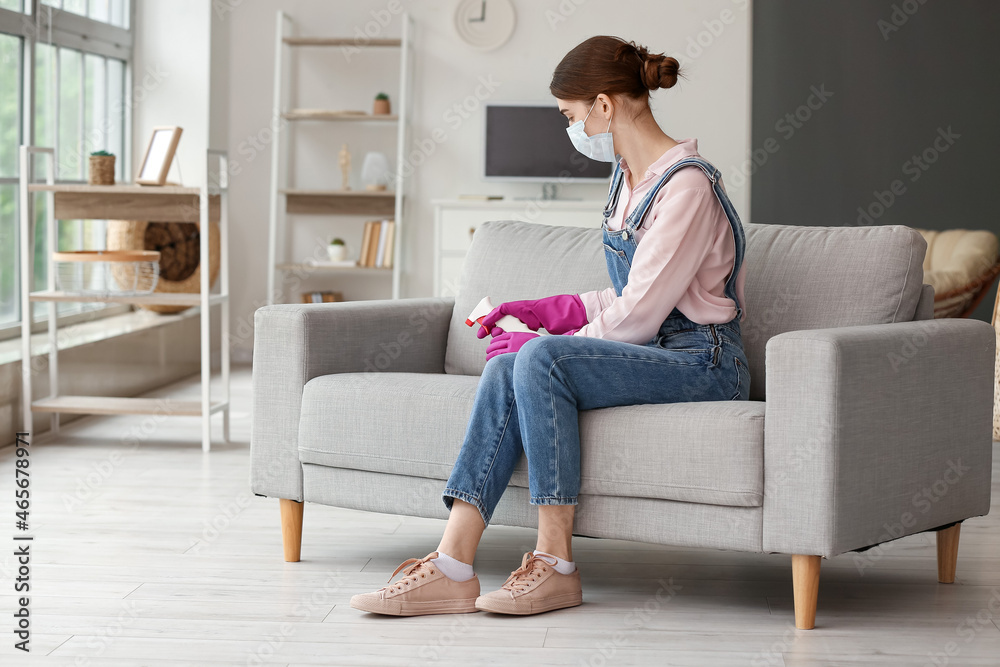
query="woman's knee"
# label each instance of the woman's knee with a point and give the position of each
(537, 356)
(499, 367)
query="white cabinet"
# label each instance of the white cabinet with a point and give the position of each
(455, 222)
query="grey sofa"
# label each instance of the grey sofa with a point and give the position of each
(867, 420)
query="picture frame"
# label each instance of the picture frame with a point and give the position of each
(159, 154)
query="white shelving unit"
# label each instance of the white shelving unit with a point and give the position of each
(286, 199)
(200, 204)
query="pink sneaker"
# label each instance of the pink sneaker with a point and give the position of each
(423, 589)
(533, 588)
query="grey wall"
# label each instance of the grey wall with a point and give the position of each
(885, 80)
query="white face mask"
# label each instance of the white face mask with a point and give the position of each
(598, 147)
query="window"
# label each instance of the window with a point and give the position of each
(64, 73)
(106, 11)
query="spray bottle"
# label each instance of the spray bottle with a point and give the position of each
(507, 322)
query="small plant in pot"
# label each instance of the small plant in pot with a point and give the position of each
(381, 106)
(102, 168)
(337, 250)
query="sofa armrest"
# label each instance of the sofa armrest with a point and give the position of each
(293, 343)
(875, 432)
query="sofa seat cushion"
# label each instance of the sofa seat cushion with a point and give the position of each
(414, 424)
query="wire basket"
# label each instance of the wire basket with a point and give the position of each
(107, 272)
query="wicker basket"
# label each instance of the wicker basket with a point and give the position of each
(107, 273)
(168, 237)
(102, 170)
(996, 373)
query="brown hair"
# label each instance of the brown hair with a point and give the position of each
(610, 65)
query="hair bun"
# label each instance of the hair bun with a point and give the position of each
(658, 70)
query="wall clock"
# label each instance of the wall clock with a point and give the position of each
(485, 24)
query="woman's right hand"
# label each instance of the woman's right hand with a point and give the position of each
(558, 314)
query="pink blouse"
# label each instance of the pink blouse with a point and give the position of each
(684, 253)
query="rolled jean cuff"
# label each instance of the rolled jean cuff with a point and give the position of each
(553, 500)
(472, 500)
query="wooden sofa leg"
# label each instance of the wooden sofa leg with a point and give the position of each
(291, 529)
(805, 585)
(947, 553)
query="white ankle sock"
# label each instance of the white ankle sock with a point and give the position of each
(454, 569)
(562, 566)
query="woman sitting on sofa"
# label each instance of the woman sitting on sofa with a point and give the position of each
(667, 331)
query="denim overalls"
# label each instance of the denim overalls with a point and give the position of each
(529, 402)
(677, 331)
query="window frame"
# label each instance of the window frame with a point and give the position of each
(43, 24)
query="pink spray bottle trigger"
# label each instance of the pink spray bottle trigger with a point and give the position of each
(507, 322)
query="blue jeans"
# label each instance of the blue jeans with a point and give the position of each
(528, 401)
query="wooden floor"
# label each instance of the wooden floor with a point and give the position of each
(159, 555)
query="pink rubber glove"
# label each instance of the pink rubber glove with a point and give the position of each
(557, 314)
(508, 341)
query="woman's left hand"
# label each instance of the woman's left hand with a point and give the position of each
(508, 341)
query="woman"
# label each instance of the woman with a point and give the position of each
(668, 330)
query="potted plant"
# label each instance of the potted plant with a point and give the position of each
(381, 105)
(102, 168)
(337, 250)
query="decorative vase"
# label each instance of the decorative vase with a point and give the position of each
(381, 107)
(375, 171)
(102, 170)
(337, 252)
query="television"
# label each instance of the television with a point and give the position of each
(528, 142)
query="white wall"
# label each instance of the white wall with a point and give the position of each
(170, 86)
(712, 104)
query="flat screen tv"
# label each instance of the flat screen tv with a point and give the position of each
(528, 142)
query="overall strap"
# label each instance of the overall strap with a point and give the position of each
(639, 214)
(616, 183)
(715, 176)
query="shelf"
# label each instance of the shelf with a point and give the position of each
(171, 203)
(155, 299)
(350, 202)
(324, 114)
(305, 266)
(287, 201)
(340, 41)
(116, 405)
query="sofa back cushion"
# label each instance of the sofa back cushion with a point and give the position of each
(797, 278)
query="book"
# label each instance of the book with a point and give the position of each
(365, 241)
(380, 253)
(389, 241)
(325, 296)
(373, 245)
